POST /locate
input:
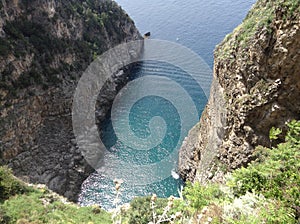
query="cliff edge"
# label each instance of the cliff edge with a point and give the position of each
(256, 86)
(45, 45)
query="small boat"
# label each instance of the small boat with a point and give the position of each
(147, 35)
(174, 174)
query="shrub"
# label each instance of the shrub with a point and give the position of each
(293, 134)
(4, 218)
(199, 196)
(140, 210)
(9, 185)
(276, 175)
(251, 209)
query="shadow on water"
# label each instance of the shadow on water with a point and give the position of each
(98, 189)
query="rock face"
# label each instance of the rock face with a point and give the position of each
(256, 86)
(45, 45)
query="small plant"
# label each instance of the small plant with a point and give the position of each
(252, 208)
(116, 216)
(4, 218)
(274, 132)
(165, 217)
(244, 206)
(9, 185)
(199, 196)
(293, 134)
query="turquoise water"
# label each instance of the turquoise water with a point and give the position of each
(199, 25)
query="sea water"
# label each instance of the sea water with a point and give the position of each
(199, 25)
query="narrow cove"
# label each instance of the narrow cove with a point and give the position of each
(199, 31)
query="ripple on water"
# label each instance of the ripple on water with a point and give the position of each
(98, 188)
(199, 25)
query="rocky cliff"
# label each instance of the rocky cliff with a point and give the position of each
(256, 86)
(45, 45)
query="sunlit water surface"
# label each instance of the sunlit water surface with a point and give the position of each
(198, 25)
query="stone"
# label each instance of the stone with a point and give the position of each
(242, 110)
(36, 134)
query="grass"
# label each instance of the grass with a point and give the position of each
(24, 204)
(39, 207)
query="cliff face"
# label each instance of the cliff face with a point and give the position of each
(45, 45)
(256, 86)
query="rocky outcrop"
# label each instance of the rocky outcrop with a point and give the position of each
(209, 132)
(45, 46)
(256, 86)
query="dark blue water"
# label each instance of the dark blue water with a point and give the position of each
(146, 135)
(197, 24)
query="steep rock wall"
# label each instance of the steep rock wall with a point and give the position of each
(45, 45)
(256, 86)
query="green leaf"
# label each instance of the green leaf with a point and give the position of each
(274, 132)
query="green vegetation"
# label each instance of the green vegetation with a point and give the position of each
(9, 185)
(260, 17)
(275, 175)
(267, 191)
(274, 132)
(140, 210)
(199, 196)
(40, 207)
(23, 204)
(37, 35)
